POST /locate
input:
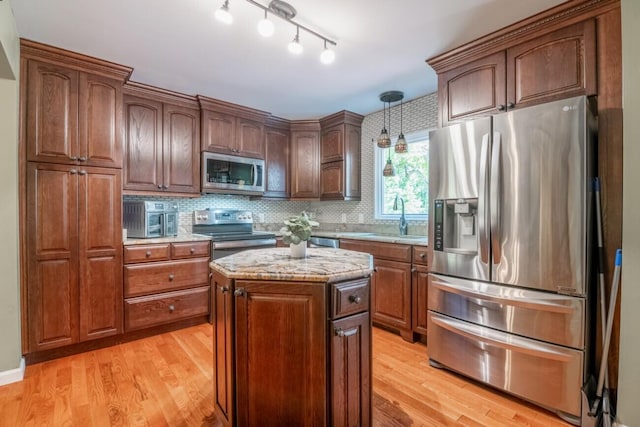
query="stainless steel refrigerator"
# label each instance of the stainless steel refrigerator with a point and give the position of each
(510, 223)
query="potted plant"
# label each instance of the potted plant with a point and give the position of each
(296, 232)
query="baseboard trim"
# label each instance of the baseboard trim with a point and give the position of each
(13, 375)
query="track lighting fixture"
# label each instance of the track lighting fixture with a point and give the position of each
(286, 12)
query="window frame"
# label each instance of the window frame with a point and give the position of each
(380, 161)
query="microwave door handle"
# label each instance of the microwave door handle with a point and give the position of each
(495, 196)
(254, 174)
(163, 224)
(483, 214)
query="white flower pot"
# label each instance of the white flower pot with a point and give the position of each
(298, 250)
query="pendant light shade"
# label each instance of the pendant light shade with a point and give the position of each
(383, 140)
(295, 47)
(388, 170)
(328, 55)
(265, 26)
(223, 15)
(401, 144)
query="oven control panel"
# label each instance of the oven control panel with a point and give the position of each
(222, 216)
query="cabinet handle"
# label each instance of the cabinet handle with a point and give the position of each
(355, 299)
(224, 289)
(510, 105)
(501, 107)
(239, 292)
(340, 333)
(171, 277)
(147, 254)
(172, 308)
(73, 171)
(82, 172)
(82, 159)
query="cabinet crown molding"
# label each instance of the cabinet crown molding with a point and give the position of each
(43, 52)
(159, 94)
(305, 125)
(342, 117)
(220, 106)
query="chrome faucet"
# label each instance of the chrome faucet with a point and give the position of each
(403, 221)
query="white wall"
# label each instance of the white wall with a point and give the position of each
(629, 369)
(10, 352)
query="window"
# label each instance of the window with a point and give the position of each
(411, 181)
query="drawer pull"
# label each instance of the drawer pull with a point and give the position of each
(147, 254)
(238, 292)
(422, 255)
(192, 250)
(224, 289)
(355, 299)
(413, 269)
(172, 308)
(341, 333)
(171, 277)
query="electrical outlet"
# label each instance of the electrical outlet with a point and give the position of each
(344, 218)
(261, 217)
(360, 219)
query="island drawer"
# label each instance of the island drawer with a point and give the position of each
(390, 251)
(146, 253)
(420, 255)
(144, 279)
(349, 297)
(142, 312)
(190, 249)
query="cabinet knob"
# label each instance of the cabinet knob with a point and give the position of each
(74, 158)
(73, 171)
(171, 277)
(413, 270)
(82, 159)
(355, 299)
(165, 187)
(147, 254)
(192, 250)
(172, 308)
(422, 255)
(510, 105)
(82, 172)
(224, 289)
(501, 107)
(238, 292)
(375, 269)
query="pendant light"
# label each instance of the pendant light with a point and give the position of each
(383, 140)
(401, 145)
(388, 170)
(265, 26)
(223, 15)
(295, 47)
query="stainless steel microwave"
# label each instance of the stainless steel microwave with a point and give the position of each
(226, 174)
(148, 219)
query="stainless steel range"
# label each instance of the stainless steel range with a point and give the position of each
(231, 231)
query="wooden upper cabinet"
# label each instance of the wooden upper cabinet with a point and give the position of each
(476, 88)
(277, 160)
(72, 107)
(557, 65)
(340, 156)
(162, 141)
(546, 67)
(305, 159)
(232, 129)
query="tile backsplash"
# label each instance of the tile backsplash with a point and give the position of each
(418, 114)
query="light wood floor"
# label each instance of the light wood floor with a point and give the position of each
(166, 380)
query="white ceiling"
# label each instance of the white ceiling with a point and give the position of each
(177, 45)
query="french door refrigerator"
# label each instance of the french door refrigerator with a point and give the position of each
(510, 224)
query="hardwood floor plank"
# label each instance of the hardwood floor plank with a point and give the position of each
(166, 380)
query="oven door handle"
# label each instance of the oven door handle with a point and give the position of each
(239, 244)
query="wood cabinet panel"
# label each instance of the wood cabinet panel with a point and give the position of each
(190, 249)
(419, 290)
(149, 278)
(218, 132)
(224, 354)
(381, 250)
(51, 112)
(332, 144)
(249, 138)
(349, 298)
(181, 154)
(352, 162)
(350, 373)
(332, 181)
(557, 65)
(143, 312)
(305, 164)
(391, 294)
(143, 155)
(146, 253)
(290, 385)
(420, 255)
(277, 160)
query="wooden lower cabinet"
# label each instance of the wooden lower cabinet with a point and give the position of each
(419, 291)
(391, 296)
(281, 358)
(74, 254)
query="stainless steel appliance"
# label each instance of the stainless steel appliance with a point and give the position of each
(148, 218)
(231, 231)
(510, 289)
(232, 174)
(323, 242)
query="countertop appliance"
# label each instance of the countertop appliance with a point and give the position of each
(510, 288)
(149, 218)
(231, 231)
(226, 174)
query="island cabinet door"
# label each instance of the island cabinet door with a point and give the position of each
(222, 317)
(350, 371)
(281, 362)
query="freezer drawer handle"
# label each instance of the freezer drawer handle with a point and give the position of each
(505, 341)
(535, 304)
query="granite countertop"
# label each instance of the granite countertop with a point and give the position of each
(186, 237)
(375, 237)
(320, 265)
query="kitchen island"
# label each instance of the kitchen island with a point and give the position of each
(292, 338)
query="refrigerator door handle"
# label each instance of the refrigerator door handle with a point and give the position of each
(494, 195)
(503, 340)
(483, 216)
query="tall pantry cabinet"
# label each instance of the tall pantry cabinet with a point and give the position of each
(71, 161)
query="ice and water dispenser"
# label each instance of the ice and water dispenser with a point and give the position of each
(455, 226)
